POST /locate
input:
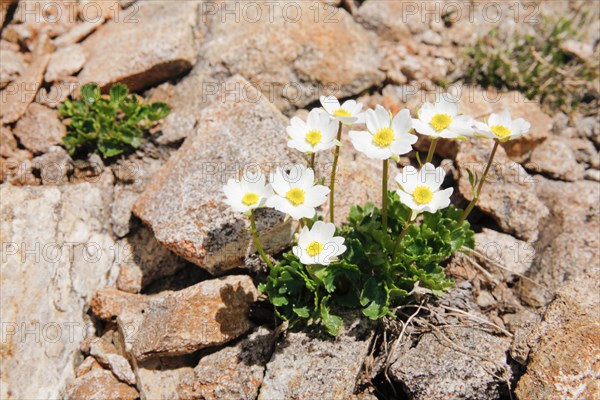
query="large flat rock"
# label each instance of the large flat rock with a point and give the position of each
(207, 314)
(183, 204)
(564, 347)
(509, 195)
(235, 372)
(569, 243)
(292, 50)
(57, 250)
(156, 44)
(305, 367)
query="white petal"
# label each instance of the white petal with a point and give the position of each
(519, 127)
(360, 139)
(279, 183)
(371, 121)
(408, 200)
(402, 145)
(447, 105)
(375, 152)
(402, 123)
(304, 237)
(431, 176)
(307, 180)
(349, 106)
(426, 112)
(323, 232)
(279, 203)
(383, 118)
(408, 179)
(301, 146)
(423, 128)
(441, 199)
(462, 126)
(330, 103)
(313, 119)
(316, 196)
(297, 250)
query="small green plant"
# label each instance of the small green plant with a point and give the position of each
(112, 124)
(537, 65)
(374, 273)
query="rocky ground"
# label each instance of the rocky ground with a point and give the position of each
(130, 279)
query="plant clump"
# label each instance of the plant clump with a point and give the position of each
(112, 124)
(382, 255)
(539, 64)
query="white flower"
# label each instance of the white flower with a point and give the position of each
(248, 193)
(502, 127)
(386, 137)
(420, 190)
(318, 245)
(441, 119)
(295, 193)
(347, 113)
(316, 134)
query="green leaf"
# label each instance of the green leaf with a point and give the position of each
(90, 93)
(333, 323)
(158, 111)
(374, 299)
(118, 92)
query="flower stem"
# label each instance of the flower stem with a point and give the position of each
(480, 186)
(401, 236)
(259, 247)
(384, 198)
(312, 161)
(431, 150)
(336, 156)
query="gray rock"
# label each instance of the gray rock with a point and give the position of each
(15, 100)
(65, 62)
(556, 159)
(569, 245)
(54, 166)
(143, 255)
(458, 366)
(160, 378)
(235, 372)
(99, 384)
(207, 314)
(509, 193)
(12, 66)
(107, 355)
(40, 128)
(187, 98)
(184, 202)
(56, 253)
(305, 367)
(161, 45)
(506, 256)
(294, 51)
(564, 347)
(592, 175)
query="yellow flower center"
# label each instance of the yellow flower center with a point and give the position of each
(440, 121)
(340, 112)
(422, 195)
(295, 196)
(501, 131)
(314, 248)
(384, 137)
(250, 199)
(313, 137)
